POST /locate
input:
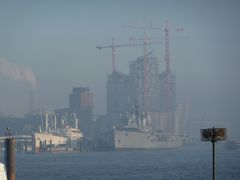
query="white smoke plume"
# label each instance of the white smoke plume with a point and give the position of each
(17, 72)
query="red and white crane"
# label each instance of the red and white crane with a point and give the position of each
(113, 46)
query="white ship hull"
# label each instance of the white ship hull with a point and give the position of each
(144, 140)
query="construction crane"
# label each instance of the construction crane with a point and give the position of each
(113, 46)
(145, 40)
(166, 29)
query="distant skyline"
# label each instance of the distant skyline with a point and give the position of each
(57, 41)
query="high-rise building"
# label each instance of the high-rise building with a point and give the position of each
(117, 93)
(167, 92)
(117, 98)
(79, 97)
(81, 103)
(167, 100)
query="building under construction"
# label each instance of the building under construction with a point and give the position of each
(147, 89)
(144, 84)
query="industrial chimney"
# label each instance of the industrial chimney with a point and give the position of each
(31, 101)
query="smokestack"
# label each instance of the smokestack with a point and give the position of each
(31, 101)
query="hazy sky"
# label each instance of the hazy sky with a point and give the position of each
(56, 41)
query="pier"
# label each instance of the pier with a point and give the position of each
(42, 142)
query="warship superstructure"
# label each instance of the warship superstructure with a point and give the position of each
(139, 134)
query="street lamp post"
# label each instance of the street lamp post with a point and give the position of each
(213, 134)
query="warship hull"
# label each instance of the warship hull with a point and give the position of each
(129, 140)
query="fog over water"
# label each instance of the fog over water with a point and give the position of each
(185, 163)
(50, 46)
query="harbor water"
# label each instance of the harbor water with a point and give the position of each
(186, 163)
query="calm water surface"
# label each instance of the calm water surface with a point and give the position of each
(192, 162)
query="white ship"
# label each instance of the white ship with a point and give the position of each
(3, 174)
(139, 135)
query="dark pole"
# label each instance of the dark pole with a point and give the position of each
(10, 156)
(213, 160)
(33, 144)
(213, 135)
(50, 150)
(213, 152)
(25, 145)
